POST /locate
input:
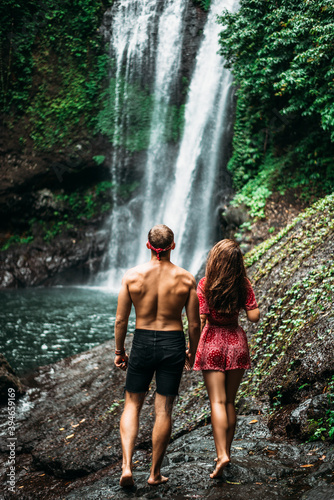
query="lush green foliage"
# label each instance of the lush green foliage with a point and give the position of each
(320, 429)
(126, 115)
(282, 55)
(52, 65)
(203, 4)
(53, 69)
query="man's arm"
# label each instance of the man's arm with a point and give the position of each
(192, 311)
(121, 323)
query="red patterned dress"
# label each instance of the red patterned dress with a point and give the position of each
(223, 343)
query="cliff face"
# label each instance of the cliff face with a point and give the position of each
(293, 275)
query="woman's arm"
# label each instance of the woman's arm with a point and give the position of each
(253, 315)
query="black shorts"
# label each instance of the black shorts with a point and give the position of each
(162, 352)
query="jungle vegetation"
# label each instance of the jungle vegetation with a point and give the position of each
(281, 53)
(52, 67)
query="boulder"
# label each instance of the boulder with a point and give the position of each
(8, 379)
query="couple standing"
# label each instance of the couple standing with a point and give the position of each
(159, 291)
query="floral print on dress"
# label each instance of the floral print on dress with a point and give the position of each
(223, 344)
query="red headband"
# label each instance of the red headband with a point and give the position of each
(159, 250)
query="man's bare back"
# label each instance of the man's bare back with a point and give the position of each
(159, 291)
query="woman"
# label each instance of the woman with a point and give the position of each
(222, 352)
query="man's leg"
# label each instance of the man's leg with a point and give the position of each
(129, 430)
(160, 436)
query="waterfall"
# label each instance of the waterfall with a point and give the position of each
(189, 204)
(178, 185)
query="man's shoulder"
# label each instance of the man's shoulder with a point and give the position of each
(186, 275)
(134, 273)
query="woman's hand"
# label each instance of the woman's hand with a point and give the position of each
(253, 315)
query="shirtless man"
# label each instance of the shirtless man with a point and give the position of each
(158, 290)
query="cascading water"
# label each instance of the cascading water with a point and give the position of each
(132, 47)
(177, 188)
(167, 66)
(189, 204)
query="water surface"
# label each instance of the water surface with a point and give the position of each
(39, 326)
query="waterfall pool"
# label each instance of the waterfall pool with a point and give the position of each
(39, 326)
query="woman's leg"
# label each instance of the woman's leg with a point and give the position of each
(232, 381)
(215, 385)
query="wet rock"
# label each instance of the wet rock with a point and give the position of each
(318, 407)
(325, 472)
(69, 258)
(260, 469)
(45, 201)
(303, 419)
(7, 280)
(299, 415)
(321, 492)
(8, 379)
(252, 406)
(233, 217)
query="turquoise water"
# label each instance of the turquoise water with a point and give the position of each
(39, 326)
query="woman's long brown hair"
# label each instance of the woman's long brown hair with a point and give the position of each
(226, 279)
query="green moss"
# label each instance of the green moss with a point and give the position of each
(297, 306)
(324, 206)
(295, 310)
(52, 68)
(16, 239)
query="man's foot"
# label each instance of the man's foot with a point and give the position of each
(221, 464)
(126, 480)
(155, 480)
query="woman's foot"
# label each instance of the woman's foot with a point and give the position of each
(158, 479)
(221, 464)
(216, 460)
(126, 480)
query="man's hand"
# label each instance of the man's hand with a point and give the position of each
(190, 359)
(121, 361)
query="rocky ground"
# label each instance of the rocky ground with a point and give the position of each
(67, 422)
(68, 442)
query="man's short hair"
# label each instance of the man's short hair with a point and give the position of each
(161, 236)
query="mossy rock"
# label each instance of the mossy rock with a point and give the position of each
(293, 277)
